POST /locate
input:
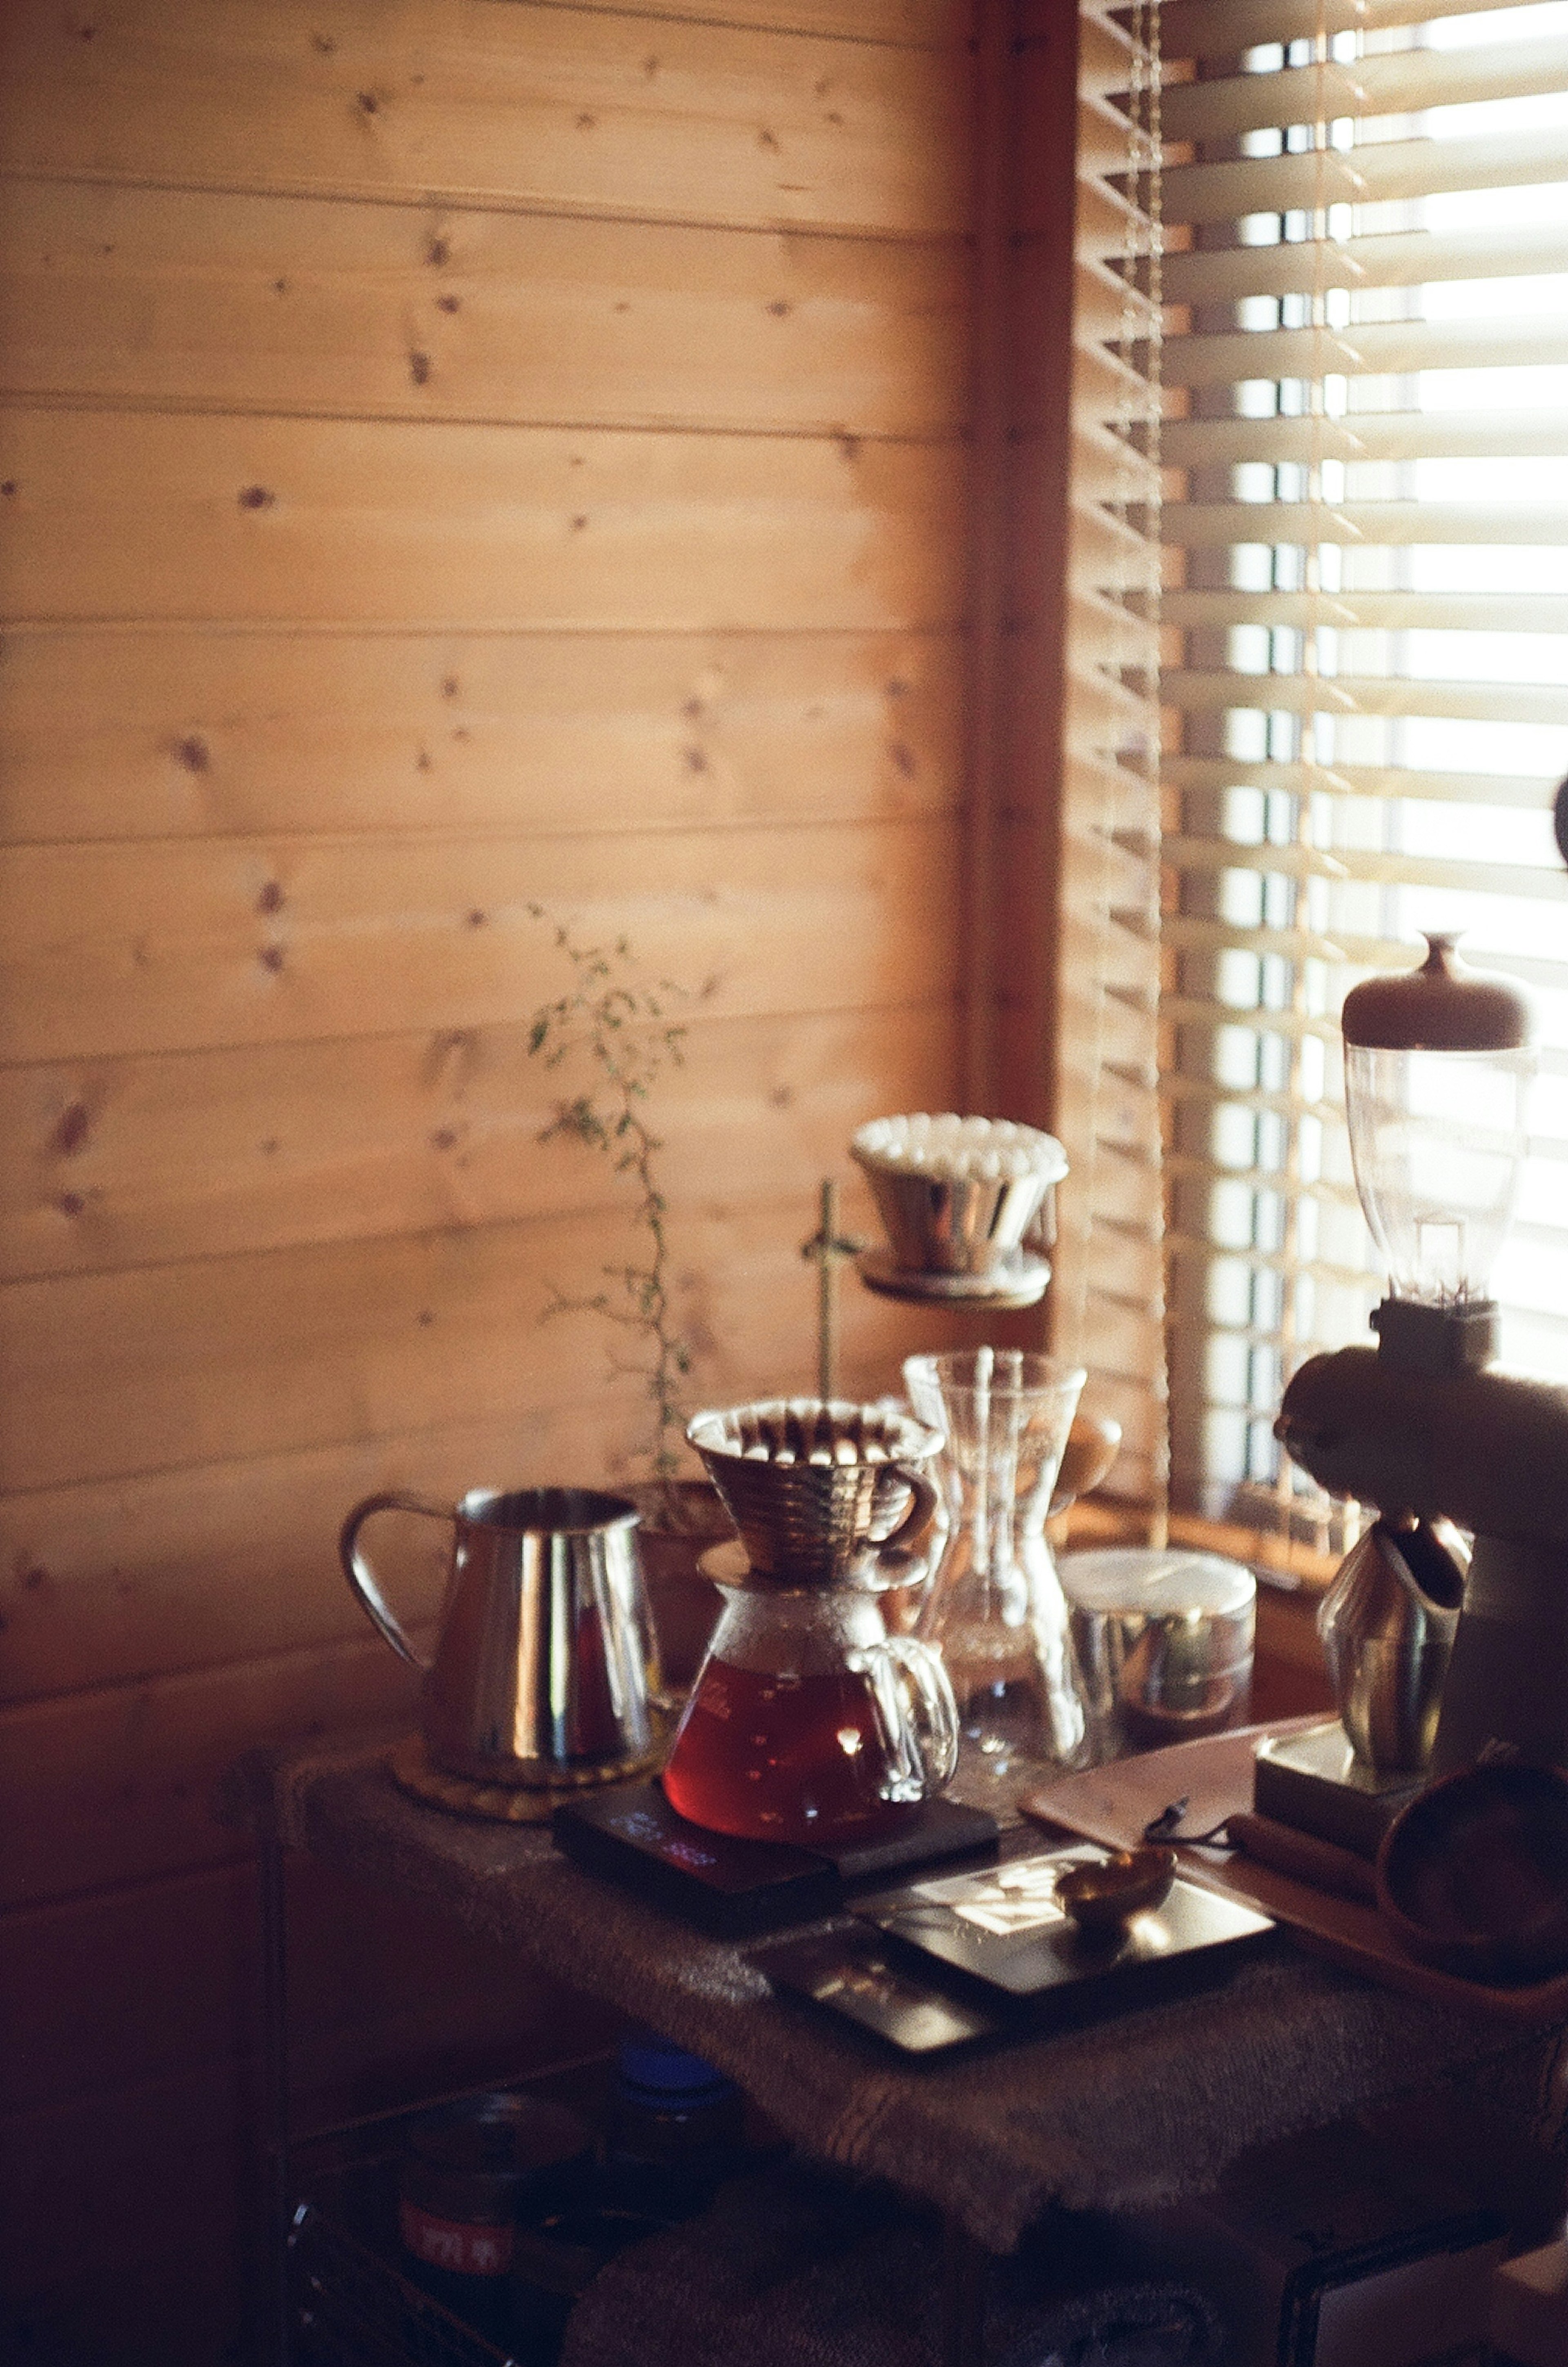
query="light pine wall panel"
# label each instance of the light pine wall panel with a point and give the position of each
(193, 732)
(564, 108)
(162, 1366)
(287, 304)
(179, 943)
(128, 1161)
(454, 456)
(121, 515)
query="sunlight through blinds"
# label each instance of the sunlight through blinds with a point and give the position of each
(1365, 637)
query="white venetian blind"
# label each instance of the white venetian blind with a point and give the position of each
(1366, 608)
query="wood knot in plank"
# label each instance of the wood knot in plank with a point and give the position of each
(72, 1129)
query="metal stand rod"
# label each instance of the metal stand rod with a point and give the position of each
(827, 1250)
(274, 2344)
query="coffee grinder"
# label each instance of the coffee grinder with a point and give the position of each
(1437, 1063)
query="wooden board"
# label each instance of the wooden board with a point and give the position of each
(1113, 1804)
(175, 733)
(118, 1786)
(552, 106)
(920, 24)
(452, 453)
(110, 515)
(124, 1582)
(116, 1163)
(162, 1367)
(203, 300)
(186, 944)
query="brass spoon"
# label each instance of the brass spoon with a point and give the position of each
(1104, 1897)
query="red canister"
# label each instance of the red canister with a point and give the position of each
(467, 2173)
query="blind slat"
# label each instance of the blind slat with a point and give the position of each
(1216, 526)
(1286, 1187)
(1404, 168)
(1196, 29)
(1299, 694)
(1396, 259)
(1187, 853)
(1210, 855)
(1382, 349)
(1528, 791)
(1189, 1012)
(1368, 436)
(1297, 944)
(1393, 612)
(1398, 81)
(1345, 1277)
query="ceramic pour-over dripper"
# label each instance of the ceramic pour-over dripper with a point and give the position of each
(820, 1487)
(957, 1196)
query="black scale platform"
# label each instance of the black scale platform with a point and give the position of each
(735, 1889)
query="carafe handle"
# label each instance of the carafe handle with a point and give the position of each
(934, 1713)
(363, 1581)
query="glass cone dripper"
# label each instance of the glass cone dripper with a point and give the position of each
(995, 1606)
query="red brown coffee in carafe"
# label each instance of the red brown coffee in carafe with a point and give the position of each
(808, 1723)
(800, 1753)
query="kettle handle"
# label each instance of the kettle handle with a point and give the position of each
(363, 1581)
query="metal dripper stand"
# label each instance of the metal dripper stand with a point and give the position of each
(1438, 1065)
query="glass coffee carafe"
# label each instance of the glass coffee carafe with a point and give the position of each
(994, 1609)
(808, 1723)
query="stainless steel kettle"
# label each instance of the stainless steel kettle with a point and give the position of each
(544, 1661)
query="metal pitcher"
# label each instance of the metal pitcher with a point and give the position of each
(544, 1665)
(1387, 1626)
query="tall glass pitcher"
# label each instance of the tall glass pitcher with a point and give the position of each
(994, 1607)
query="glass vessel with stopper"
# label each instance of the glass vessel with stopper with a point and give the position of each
(1437, 1064)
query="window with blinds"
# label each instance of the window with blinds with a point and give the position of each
(1365, 619)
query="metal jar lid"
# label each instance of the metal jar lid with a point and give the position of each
(1155, 1584)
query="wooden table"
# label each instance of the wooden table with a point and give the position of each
(1122, 2116)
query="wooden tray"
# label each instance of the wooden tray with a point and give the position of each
(1113, 1805)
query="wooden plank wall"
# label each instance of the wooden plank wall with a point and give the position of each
(457, 455)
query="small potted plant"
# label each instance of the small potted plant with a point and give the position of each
(612, 1021)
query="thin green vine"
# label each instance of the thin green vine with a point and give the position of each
(622, 1024)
